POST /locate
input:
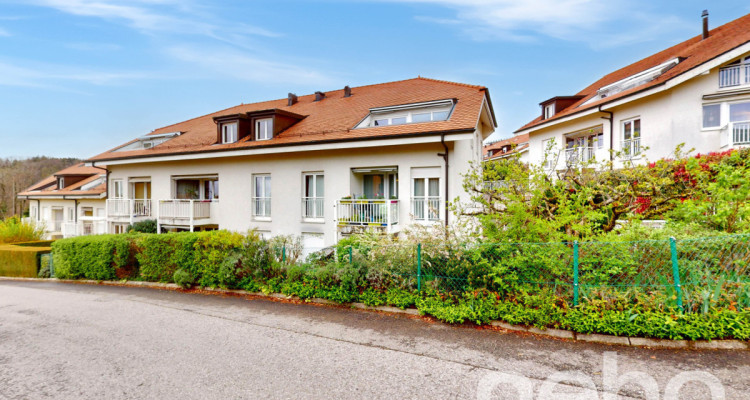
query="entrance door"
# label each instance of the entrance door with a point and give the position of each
(57, 219)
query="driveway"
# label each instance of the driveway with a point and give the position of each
(73, 341)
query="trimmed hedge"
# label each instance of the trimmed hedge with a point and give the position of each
(98, 257)
(22, 261)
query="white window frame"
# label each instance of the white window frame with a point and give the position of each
(430, 205)
(409, 117)
(202, 194)
(229, 135)
(33, 213)
(118, 189)
(549, 111)
(632, 147)
(71, 214)
(261, 211)
(313, 204)
(551, 162)
(721, 116)
(266, 133)
(60, 183)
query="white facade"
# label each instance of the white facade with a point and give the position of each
(415, 193)
(63, 218)
(668, 115)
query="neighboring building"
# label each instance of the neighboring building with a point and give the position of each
(516, 145)
(697, 93)
(321, 166)
(69, 203)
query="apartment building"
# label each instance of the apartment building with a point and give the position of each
(696, 92)
(323, 165)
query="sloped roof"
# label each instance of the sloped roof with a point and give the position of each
(48, 185)
(520, 143)
(692, 53)
(331, 119)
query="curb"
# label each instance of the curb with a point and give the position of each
(549, 332)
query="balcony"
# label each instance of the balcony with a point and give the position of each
(129, 209)
(92, 226)
(740, 133)
(577, 155)
(734, 75)
(312, 208)
(367, 212)
(184, 212)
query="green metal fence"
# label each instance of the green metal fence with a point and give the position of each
(692, 274)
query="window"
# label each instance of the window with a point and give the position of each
(229, 132)
(206, 189)
(262, 196)
(264, 129)
(712, 116)
(549, 110)
(411, 117)
(211, 189)
(550, 153)
(60, 183)
(739, 112)
(33, 213)
(313, 195)
(426, 199)
(631, 137)
(71, 214)
(118, 190)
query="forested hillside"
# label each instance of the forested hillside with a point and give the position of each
(16, 175)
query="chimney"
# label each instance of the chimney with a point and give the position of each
(347, 91)
(292, 99)
(704, 15)
(319, 96)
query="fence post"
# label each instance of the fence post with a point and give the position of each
(575, 273)
(676, 271)
(283, 254)
(419, 267)
(350, 255)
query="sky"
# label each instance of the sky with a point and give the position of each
(79, 77)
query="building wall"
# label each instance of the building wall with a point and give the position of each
(233, 211)
(47, 206)
(667, 119)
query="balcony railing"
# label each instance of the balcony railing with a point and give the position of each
(312, 207)
(426, 208)
(367, 212)
(734, 75)
(577, 154)
(184, 209)
(83, 228)
(741, 133)
(129, 208)
(632, 147)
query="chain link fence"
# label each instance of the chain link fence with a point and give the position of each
(691, 274)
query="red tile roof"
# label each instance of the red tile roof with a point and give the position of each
(692, 52)
(331, 119)
(518, 143)
(48, 186)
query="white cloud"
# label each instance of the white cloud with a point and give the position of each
(223, 62)
(598, 23)
(53, 75)
(3, 32)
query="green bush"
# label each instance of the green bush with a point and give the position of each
(14, 230)
(98, 257)
(145, 226)
(184, 279)
(21, 261)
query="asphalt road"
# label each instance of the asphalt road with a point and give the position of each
(76, 341)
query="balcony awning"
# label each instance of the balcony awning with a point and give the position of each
(374, 169)
(586, 132)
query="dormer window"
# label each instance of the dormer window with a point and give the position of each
(60, 183)
(549, 110)
(264, 129)
(430, 111)
(229, 132)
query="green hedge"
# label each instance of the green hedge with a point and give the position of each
(98, 257)
(21, 260)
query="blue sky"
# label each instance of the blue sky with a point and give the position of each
(78, 77)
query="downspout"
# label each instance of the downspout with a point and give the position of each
(611, 132)
(445, 158)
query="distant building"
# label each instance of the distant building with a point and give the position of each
(516, 145)
(696, 92)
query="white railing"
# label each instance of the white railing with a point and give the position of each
(83, 228)
(56, 225)
(312, 207)
(129, 208)
(262, 207)
(367, 212)
(577, 154)
(184, 209)
(631, 147)
(426, 208)
(741, 133)
(734, 75)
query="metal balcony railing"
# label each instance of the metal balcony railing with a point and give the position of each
(129, 208)
(426, 208)
(734, 75)
(312, 207)
(367, 212)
